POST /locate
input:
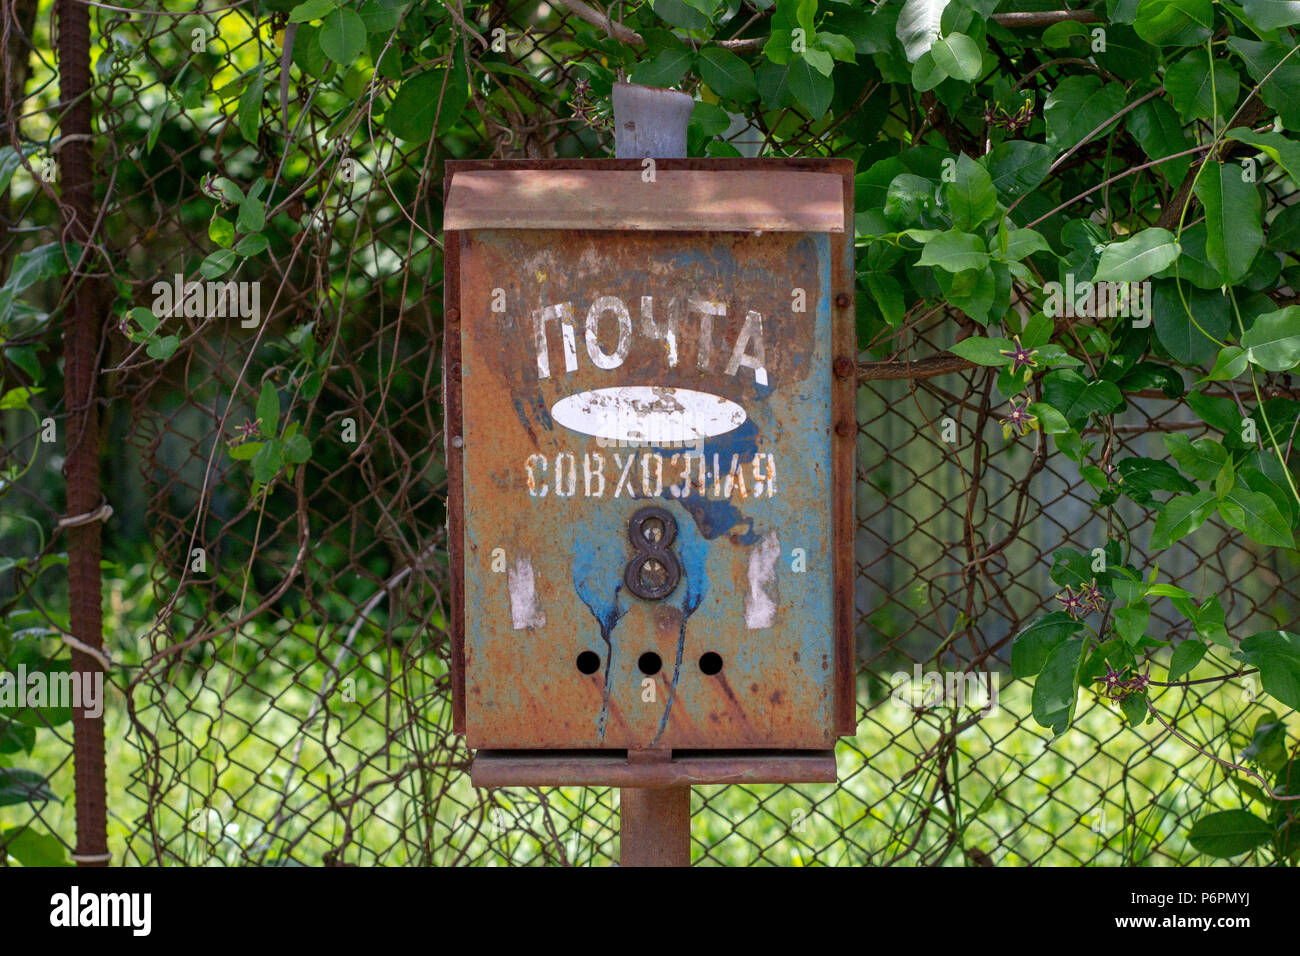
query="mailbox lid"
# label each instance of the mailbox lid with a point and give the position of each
(687, 200)
(787, 687)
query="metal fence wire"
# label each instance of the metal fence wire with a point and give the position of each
(280, 676)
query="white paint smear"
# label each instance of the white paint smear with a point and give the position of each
(648, 414)
(760, 602)
(525, 610)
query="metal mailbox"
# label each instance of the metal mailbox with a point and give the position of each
(650, 445)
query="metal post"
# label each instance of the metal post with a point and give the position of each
(82, 326)
(654, 824)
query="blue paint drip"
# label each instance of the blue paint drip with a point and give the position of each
(598, 579)
(692, 551)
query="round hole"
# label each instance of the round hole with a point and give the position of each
(710, 663)
(649, 663)
(589, 662)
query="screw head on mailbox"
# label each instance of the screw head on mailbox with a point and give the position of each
(648, 468)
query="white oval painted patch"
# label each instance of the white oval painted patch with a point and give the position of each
(648, 414)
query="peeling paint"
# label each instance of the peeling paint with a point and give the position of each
(525, 609)
(761, 598)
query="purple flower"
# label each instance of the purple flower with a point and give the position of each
(1020, 356)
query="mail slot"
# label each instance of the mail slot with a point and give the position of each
(650, 442)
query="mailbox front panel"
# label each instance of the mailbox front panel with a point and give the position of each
(609, 363)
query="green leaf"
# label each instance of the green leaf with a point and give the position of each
(1145, 475)
(1284, 230)
(958, 56)
(249, 113)
(680, 14)
(342, 36)
(1220, 413)
(1057, 687)
(1196, 89)
(1050, 420)
(251, 245)
(268, 410)
(1138, 257)
(1159, 132)
(246, 450)
(414, 107)
(38, 264)
(1018, 166)
(1077, 398)
(1273, 66)
(1201, 459)
(217, 264)
(664, 69)
(19, 786)
(14, 736)
(983, 351)
(1022, 243)
(907, 198)
(1277, 655)
(163, 348)
(24, 357)
(727, 74)
(252, 215)
(918, 26)
(1174, 22)
(310, 10)
(267, 462)
(10, 161)
(1179, 517)
(1131, 622)
(1036, 642)
(1232, 220)
(1077, 106)
(1185, 658)
(1273, 342)
(30, 847)
(954, 251)
(1230, 363)
(970, 196)
(837, 45)
(774, 85)
(1229, 833)
(1285, 152)
(1271, 14)
(221, 231)
(888, 296)
(1190, 332)
(297, 449)
(1256, 514)
(380, 16)
(810, 88)
(819, 60)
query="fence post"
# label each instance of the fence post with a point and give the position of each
(82, 326)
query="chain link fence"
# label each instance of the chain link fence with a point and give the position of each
(280, 677)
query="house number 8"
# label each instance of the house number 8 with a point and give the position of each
(654, 571)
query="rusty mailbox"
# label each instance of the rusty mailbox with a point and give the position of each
(650, 429)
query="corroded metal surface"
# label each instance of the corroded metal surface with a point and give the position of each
(602, 372)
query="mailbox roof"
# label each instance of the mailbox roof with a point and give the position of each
(683, 200)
